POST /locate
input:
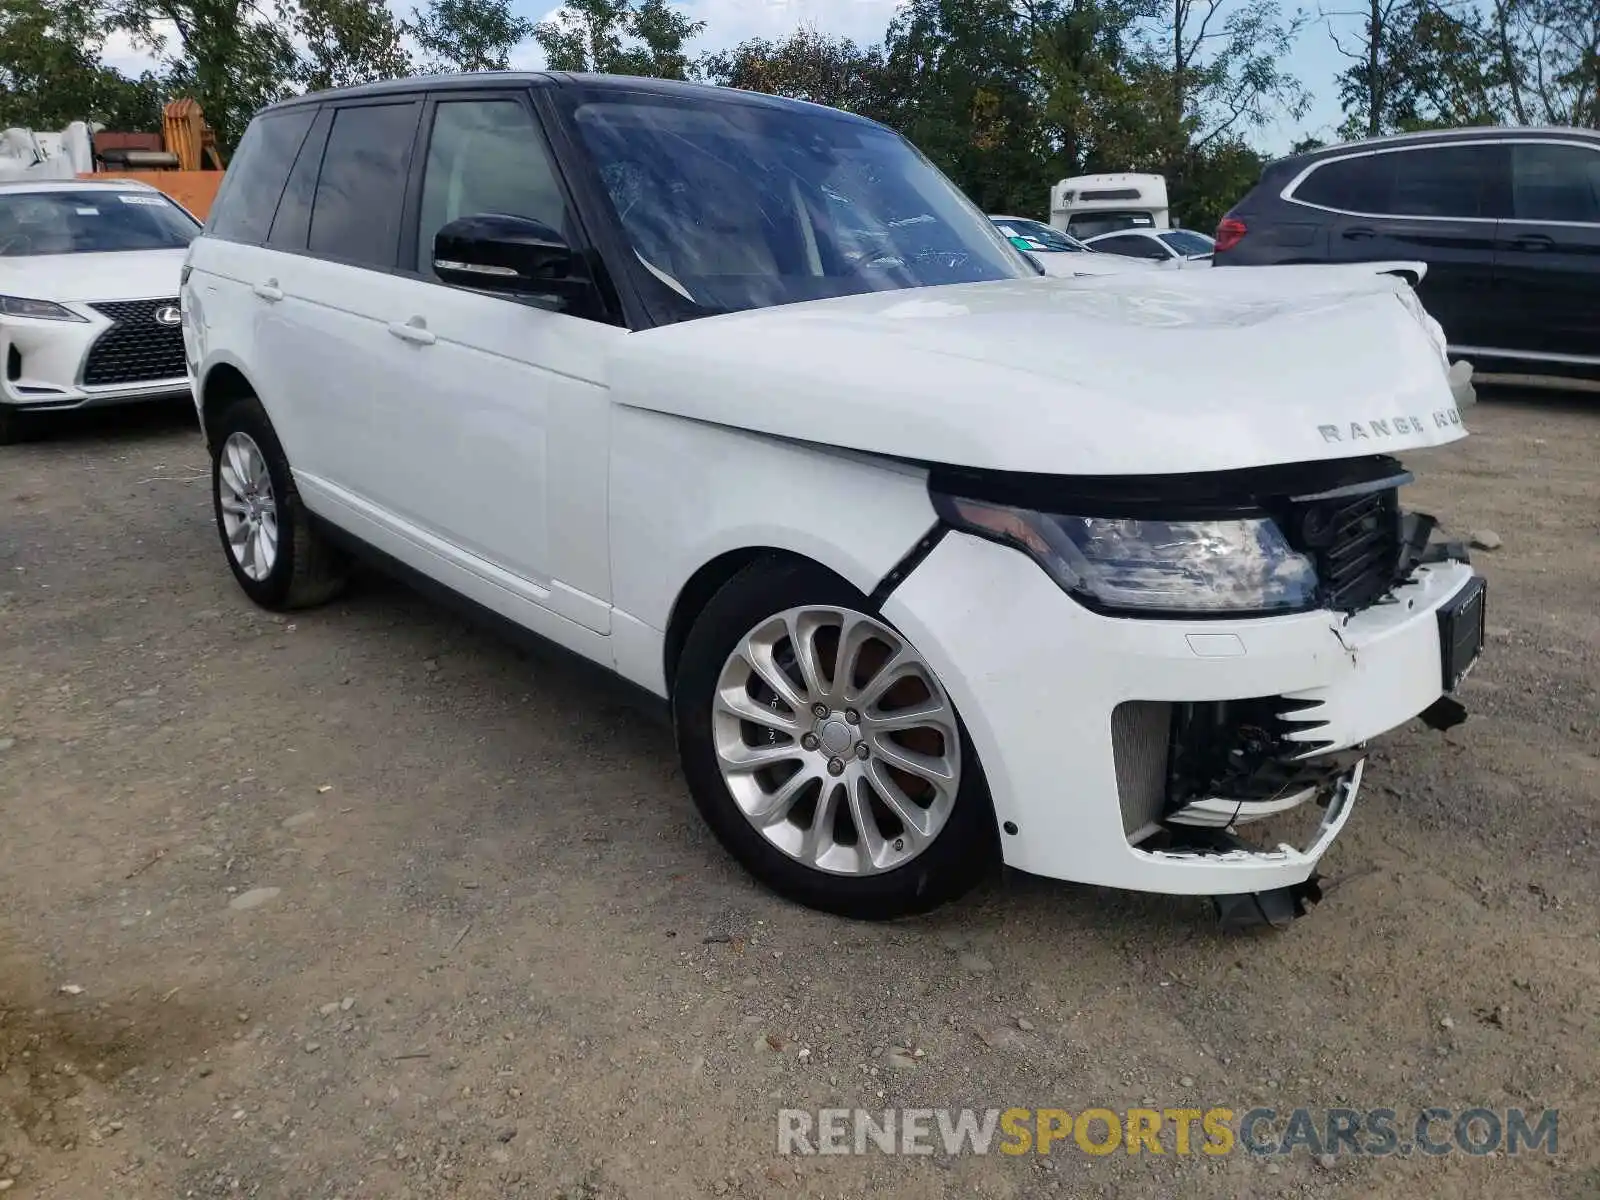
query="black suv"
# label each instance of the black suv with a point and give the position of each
(1508, 221)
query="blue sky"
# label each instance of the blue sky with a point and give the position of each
(1314, 61)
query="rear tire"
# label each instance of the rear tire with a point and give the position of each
(874, 809)
(276, 552)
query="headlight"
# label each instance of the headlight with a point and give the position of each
(39, 310)
(1147, 567)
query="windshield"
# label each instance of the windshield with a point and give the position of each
(732, 206)
(1088, 225)
(1188, 243)
(1045, 238)
(91, 222)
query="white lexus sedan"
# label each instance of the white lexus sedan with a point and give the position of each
(937, 562)
(1160, 247)
(88, 297)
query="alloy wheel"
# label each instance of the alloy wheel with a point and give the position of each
(249, 507)
(836, 740)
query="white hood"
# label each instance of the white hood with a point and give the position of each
(123, 275)
(1148, 372)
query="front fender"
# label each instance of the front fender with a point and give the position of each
(686, 492)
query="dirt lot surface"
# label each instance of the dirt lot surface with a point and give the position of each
(366, 904)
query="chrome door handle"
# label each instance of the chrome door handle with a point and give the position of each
(414, 331)
(269, 291)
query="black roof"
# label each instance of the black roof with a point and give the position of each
(636, 84)
(1435, 137)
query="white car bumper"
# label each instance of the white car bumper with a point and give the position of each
(119, 353)
(1038, 679)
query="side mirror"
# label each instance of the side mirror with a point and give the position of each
(496, 252)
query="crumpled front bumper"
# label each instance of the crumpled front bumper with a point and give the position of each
(1038, 679)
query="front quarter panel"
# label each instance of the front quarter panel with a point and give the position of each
(686, 492)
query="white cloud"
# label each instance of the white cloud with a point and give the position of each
(121, 53)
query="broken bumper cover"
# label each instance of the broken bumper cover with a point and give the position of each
(1039, 681)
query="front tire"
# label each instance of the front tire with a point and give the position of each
(279, 557)
(823, 751)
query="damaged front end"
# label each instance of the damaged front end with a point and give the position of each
(1248, 633)
(1190, 775)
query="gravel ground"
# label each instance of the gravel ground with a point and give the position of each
(366, 904)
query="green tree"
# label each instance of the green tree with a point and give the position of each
(661, 33)
(806, 65)
(348, 42)
(1547, 54)
(1218, 69)
(966, 90)
(51, 73)
(233, 56)
(619, 37)
(467, 35)
(1212, 72)
(1208, 180)
(1418, 64)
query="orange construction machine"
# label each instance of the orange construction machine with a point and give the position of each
(181, 160)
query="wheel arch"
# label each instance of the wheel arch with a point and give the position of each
(705, 583)
(223, 383)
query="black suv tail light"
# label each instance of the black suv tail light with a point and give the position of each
(1230, 232)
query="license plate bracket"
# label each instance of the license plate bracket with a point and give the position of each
(1461, 630)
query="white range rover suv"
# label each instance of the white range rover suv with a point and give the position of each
(938, 561)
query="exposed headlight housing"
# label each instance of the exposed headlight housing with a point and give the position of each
(38, 310)
(1236, 566)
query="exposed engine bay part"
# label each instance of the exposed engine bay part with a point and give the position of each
(1219, 764)
(1276, 909)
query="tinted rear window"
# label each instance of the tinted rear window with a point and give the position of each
(362, 187)
(91, 222)
(1353, 184)
(250, 190)
(1443, 181)
(1554, 182)
(1428, 181)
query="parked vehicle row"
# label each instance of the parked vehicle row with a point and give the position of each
(1058, 254)
(1507, 220)
(937, 561)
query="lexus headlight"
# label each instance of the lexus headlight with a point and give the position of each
(39, 310)
(1236, 566)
